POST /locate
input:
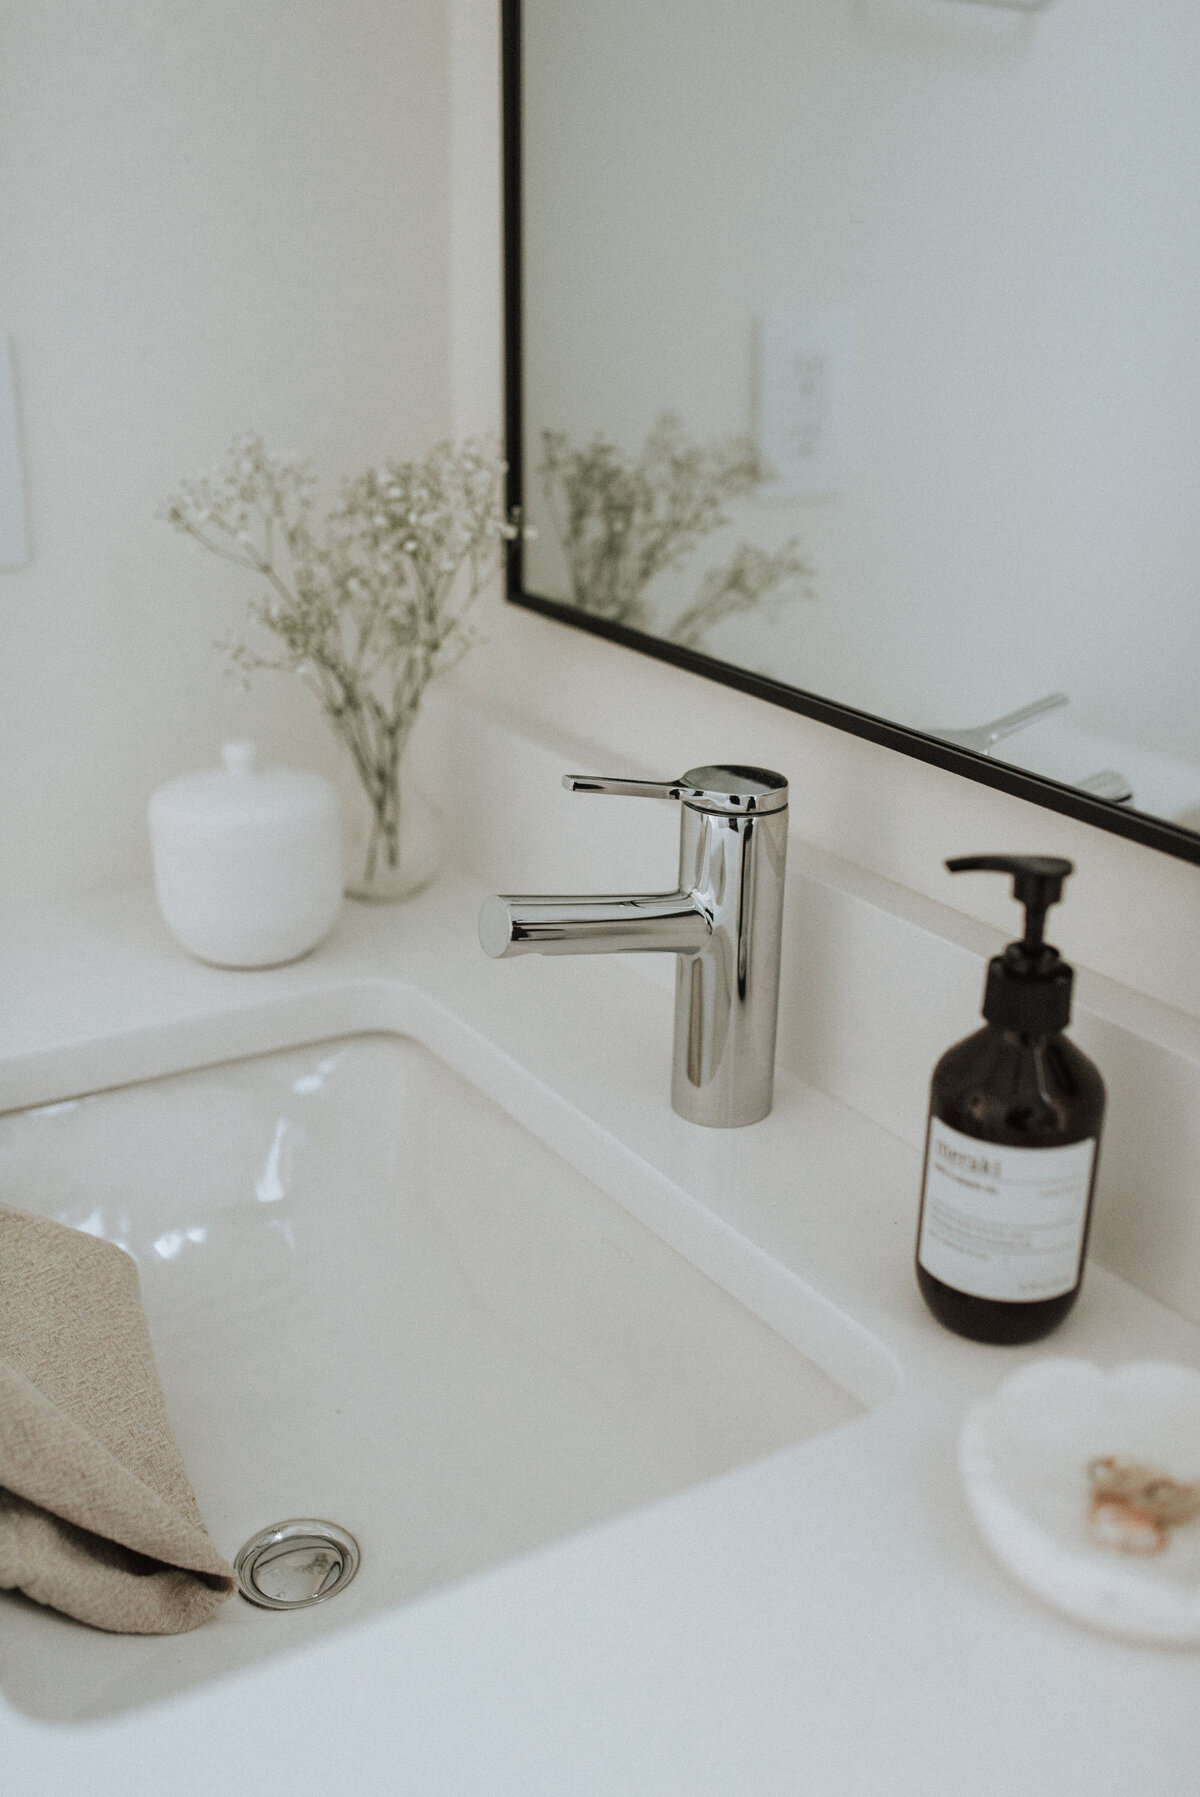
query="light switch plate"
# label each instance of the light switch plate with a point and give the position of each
(804, 381)
(14, 543)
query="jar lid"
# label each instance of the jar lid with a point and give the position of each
(242, 793)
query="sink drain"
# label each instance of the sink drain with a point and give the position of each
(294, 1564)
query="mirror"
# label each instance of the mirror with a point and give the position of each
(853, 360)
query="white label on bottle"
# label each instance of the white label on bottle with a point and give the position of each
(1000, 1222)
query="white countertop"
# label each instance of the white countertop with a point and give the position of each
(825, 1621)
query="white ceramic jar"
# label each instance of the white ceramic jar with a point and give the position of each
(247, 862)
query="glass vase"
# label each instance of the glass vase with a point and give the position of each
(390, 852)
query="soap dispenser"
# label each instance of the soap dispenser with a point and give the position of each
(1015, 1114)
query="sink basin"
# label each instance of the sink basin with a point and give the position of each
(377, 1299)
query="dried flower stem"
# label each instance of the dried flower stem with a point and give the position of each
(621, 521)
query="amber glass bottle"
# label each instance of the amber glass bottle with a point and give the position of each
(1013, 1141)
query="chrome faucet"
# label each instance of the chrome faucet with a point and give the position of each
(724, 925)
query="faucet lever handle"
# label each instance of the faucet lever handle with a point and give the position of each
(626, 789)
(729, 789)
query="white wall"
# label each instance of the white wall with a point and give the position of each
(1131, 914)
(223, 215)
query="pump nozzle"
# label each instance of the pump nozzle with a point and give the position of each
(1037, 883)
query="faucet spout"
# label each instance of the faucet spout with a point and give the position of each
(669, 922)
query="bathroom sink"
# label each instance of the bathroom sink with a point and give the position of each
(377, 1299)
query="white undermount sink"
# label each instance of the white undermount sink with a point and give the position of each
(378, 1299)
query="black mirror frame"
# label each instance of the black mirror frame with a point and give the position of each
(1153, 832)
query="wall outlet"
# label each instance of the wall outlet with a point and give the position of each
(804, 377)
(14, 546)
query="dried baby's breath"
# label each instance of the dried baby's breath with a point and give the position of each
(622, 520)
(367, 606)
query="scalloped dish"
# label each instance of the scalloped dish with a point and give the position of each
(1039, 1464)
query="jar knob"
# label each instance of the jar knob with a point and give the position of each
(239, 757)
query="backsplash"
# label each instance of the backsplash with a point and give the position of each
(877, 980)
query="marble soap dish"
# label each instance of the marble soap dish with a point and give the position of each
(1086, 1486)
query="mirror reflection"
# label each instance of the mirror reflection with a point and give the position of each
(860, 350)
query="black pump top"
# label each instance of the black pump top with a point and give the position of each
(1028, 986)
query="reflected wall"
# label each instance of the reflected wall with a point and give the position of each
(988, 225)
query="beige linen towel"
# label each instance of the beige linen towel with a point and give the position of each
(97, 1518)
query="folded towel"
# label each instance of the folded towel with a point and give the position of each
(97, 1518)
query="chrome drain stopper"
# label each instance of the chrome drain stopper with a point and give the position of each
(294, 1564)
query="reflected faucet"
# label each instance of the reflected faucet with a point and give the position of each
(724, 925)
(1108, 783)
(984, 737)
